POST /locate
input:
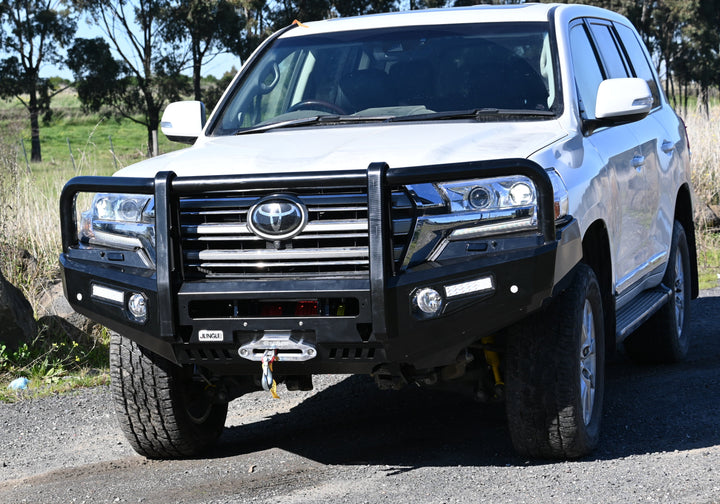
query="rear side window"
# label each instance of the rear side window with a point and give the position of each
(588, 75)
(640, 65)
(609, 51)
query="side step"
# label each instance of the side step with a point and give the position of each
(632, 315)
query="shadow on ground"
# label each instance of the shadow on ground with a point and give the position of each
(647, 409)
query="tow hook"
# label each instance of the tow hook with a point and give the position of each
(272, 347)
(266, 380)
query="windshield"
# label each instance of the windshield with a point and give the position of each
(386, 74)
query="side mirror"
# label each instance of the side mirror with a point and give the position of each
(183, 121)
(623, 100)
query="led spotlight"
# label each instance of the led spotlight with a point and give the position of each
(107, 294)
(470, 287)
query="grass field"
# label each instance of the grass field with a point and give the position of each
(29, 220)
(73, 143)
(91, 138)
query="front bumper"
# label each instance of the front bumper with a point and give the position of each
(381, 327)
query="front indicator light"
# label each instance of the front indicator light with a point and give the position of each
(428, 300)
(497, 228)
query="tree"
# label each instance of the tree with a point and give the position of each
(149, 67)
(698, 59)
(33, 34)
(99, 78)
(346, 8)
(287, 11)
(208, 27)
(256, 29)
(463, 3)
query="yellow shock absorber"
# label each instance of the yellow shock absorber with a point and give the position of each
(493, 359)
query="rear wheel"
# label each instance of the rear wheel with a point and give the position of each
(555, 374)
(163, 410)
(665, 337)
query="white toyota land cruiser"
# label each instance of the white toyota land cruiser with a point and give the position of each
(490, 197)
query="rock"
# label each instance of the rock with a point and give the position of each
(17, 320)
(707, 216)
(55, 313)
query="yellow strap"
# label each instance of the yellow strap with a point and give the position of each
(273, 387)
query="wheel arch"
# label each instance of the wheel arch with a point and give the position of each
(596, 254)
(684, 215)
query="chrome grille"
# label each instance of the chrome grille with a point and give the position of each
(217, 242)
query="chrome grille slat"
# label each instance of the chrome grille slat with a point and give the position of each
(231, 238)
(269, 264)
(242, 229)
(217, 242)
(271, 254)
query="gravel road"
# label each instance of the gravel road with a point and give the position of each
(347, 442)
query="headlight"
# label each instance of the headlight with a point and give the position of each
(492, 206)
(120, 221)
(478, 208)
(489, 194)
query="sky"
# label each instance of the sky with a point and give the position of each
(217, 67)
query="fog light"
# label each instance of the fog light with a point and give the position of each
(137, 306)
(428, 300)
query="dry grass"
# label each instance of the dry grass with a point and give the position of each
(29, 221)
(704, 138)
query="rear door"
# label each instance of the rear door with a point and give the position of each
(670, 146)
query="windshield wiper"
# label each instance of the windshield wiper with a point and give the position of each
(477, 113)
(304, 121)
(280, 124)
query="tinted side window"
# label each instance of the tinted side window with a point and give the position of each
(639, 62)
(588, 75)
(609, 51)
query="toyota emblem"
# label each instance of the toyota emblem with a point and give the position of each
(277, 217)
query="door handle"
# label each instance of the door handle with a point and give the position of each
(667, 147)
(638, 161)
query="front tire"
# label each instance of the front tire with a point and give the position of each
(556, 374)
(162, 410)
(665, 337)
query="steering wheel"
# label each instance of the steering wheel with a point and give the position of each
(315, 104)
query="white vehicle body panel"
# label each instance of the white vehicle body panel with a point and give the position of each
(353, 147)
